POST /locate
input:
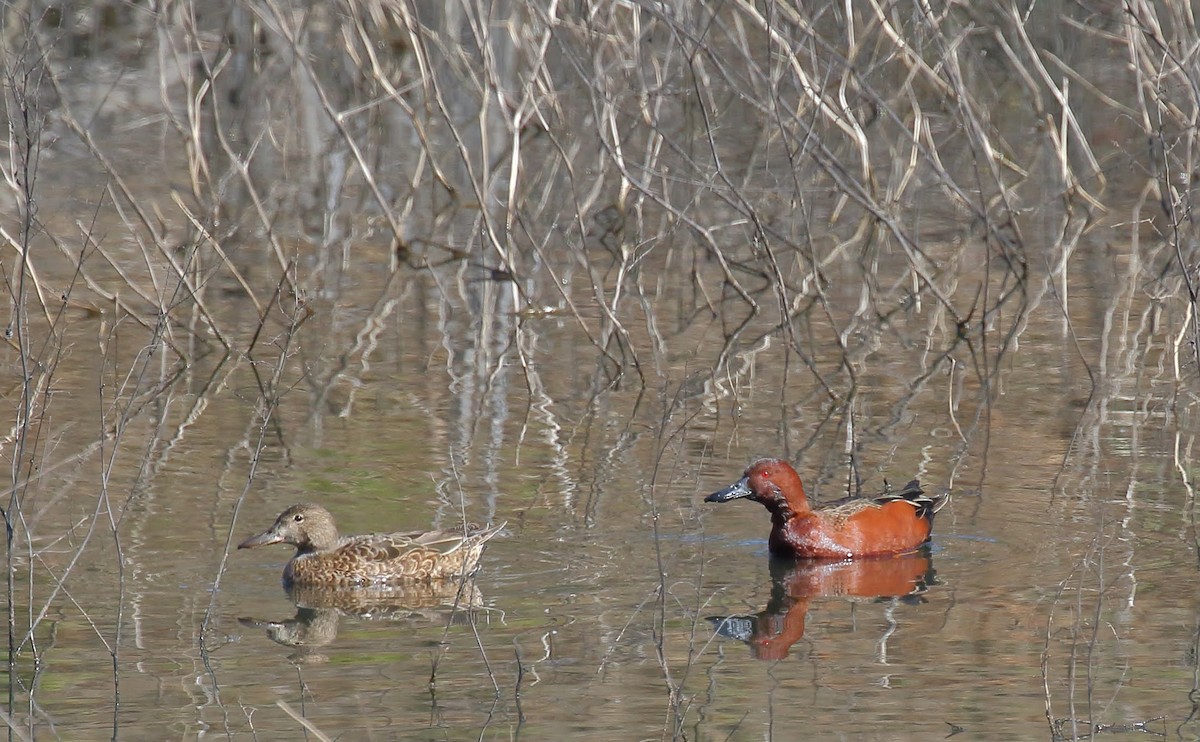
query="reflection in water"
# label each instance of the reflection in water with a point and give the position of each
(772, 631)
(319, 611)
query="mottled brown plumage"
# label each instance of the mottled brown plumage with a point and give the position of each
(324, 558)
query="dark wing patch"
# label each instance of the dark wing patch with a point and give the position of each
(912, 493)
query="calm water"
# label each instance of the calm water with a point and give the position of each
(587, 371)
(600, 601)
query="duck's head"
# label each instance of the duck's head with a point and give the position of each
(308, 527)
(772, 482)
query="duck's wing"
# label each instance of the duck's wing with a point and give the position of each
(449, 540)
(391, 545)
(386, 558)
(414, 552)
(912, 493)
(379, 547)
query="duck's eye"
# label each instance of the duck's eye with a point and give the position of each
(298, 517)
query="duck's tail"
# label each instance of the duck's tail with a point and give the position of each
(480, 536)
(926, 505)
(462, 550)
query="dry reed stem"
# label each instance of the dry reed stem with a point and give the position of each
(308, 725)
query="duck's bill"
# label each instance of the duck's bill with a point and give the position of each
(740, 488)
(262, 539)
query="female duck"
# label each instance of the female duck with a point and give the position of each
(891, 523)
(324, 559)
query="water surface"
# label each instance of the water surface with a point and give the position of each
(576, 283)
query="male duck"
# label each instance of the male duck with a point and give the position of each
(891, 523)
(324, 559)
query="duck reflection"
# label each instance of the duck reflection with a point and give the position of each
(772, 631)
(319, 611)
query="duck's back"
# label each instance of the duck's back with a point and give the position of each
(892, 523)
(391, 558)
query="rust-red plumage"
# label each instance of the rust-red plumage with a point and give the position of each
(323, 558)
(891, 523)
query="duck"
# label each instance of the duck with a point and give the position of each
(325, 559)
(895, 522)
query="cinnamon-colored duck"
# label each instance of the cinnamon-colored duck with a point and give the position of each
(323, 558)
(892, 523)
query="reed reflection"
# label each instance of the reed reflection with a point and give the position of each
(772, 631)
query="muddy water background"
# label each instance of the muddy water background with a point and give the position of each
(573, 268)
